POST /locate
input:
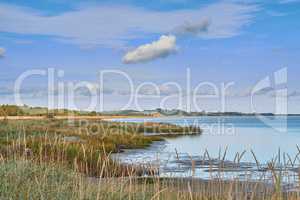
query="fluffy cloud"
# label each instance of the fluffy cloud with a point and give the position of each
(163, 47)
(114, 26)
(2, 52)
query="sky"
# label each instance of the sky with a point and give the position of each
(164, 53)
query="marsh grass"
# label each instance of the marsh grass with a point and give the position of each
(109, 134)
(84, 144)
(25, 179)
(38, 160)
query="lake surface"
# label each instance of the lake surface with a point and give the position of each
(267, 138)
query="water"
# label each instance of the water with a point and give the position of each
(268, 138)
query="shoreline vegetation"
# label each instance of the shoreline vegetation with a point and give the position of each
(53, 157)
(27, 112)
(83, 144)
(24, 179)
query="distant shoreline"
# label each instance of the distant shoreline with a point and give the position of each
(15, 112)
(109, 117)
(69, 117)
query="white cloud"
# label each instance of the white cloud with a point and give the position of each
(163, 47)
(2, 52)
(114, 26)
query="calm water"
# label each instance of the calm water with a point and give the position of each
(235, 133)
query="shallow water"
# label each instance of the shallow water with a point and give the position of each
(267, 138)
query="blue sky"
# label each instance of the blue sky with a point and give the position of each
(219, 41)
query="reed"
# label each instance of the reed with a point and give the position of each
(38, 162)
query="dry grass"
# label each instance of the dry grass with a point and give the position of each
(37, 162)
(85, 144)
(25, 179)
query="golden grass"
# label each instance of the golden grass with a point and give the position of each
(38, 162)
